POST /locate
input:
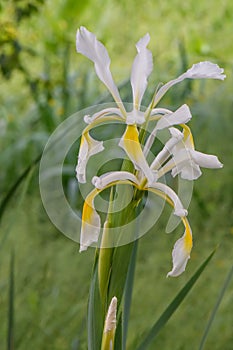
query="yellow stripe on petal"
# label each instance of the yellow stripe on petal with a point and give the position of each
(90, 222)
(130, 143)
(188, 238)
(181, 251)
(88, 147)
(188, 137)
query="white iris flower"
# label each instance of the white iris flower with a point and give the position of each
(177, 156)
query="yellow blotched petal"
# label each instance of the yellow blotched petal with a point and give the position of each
(131, 145)
(181, 251)
(90, 222)
(88, 147)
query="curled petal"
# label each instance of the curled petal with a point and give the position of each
(103, 113)
(181, 116)
(88, 147)
(201, 70)
(88, 45)
(90, 222)
(141, 69)
(130, 143)
(181, 251)
(206, 160)
(113, 177)
(184, 165)
(166, 191)
(187, 168)
(188, 163)
(204, 70)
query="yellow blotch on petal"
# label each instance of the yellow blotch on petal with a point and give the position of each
(188, 137)
(188, 238)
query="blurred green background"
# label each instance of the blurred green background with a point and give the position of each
(43, 81)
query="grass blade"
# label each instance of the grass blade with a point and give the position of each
(10, 333)
(16, 184)
(215, 309)
(173, 306)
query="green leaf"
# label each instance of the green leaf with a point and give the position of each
(160, 323)
(10, 333)
(27, 177)
(5, 202)
(95, 317)
(128, 293)
(215, 309)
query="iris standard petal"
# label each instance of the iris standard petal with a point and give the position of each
(141, 69)
(90, 222)
(131, 145)
(88, 45)
(88, 147)
(181, 251)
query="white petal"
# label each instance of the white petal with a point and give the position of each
(113, 176)
(166, 152)
(88, 147)
(204, 70)
(185, 165)
(206, 160)
(187, 170)
(180, 258)
(89, 46)
(178, 207)
(181, 252)
(141, 69)
(156, 111)
(90, 232)
(200, 70)
(135, 117)
(103, 113)
(90, 223)
(181, 116)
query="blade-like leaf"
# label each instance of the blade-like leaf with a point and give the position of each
(156, 328)
(10, 333)
(128, 292)
(215, 309)
(16, 184)
(12, 222)
(95, 319)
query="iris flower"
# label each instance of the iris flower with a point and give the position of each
(177, 156)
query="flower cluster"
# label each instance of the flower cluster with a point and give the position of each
(178, 155)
